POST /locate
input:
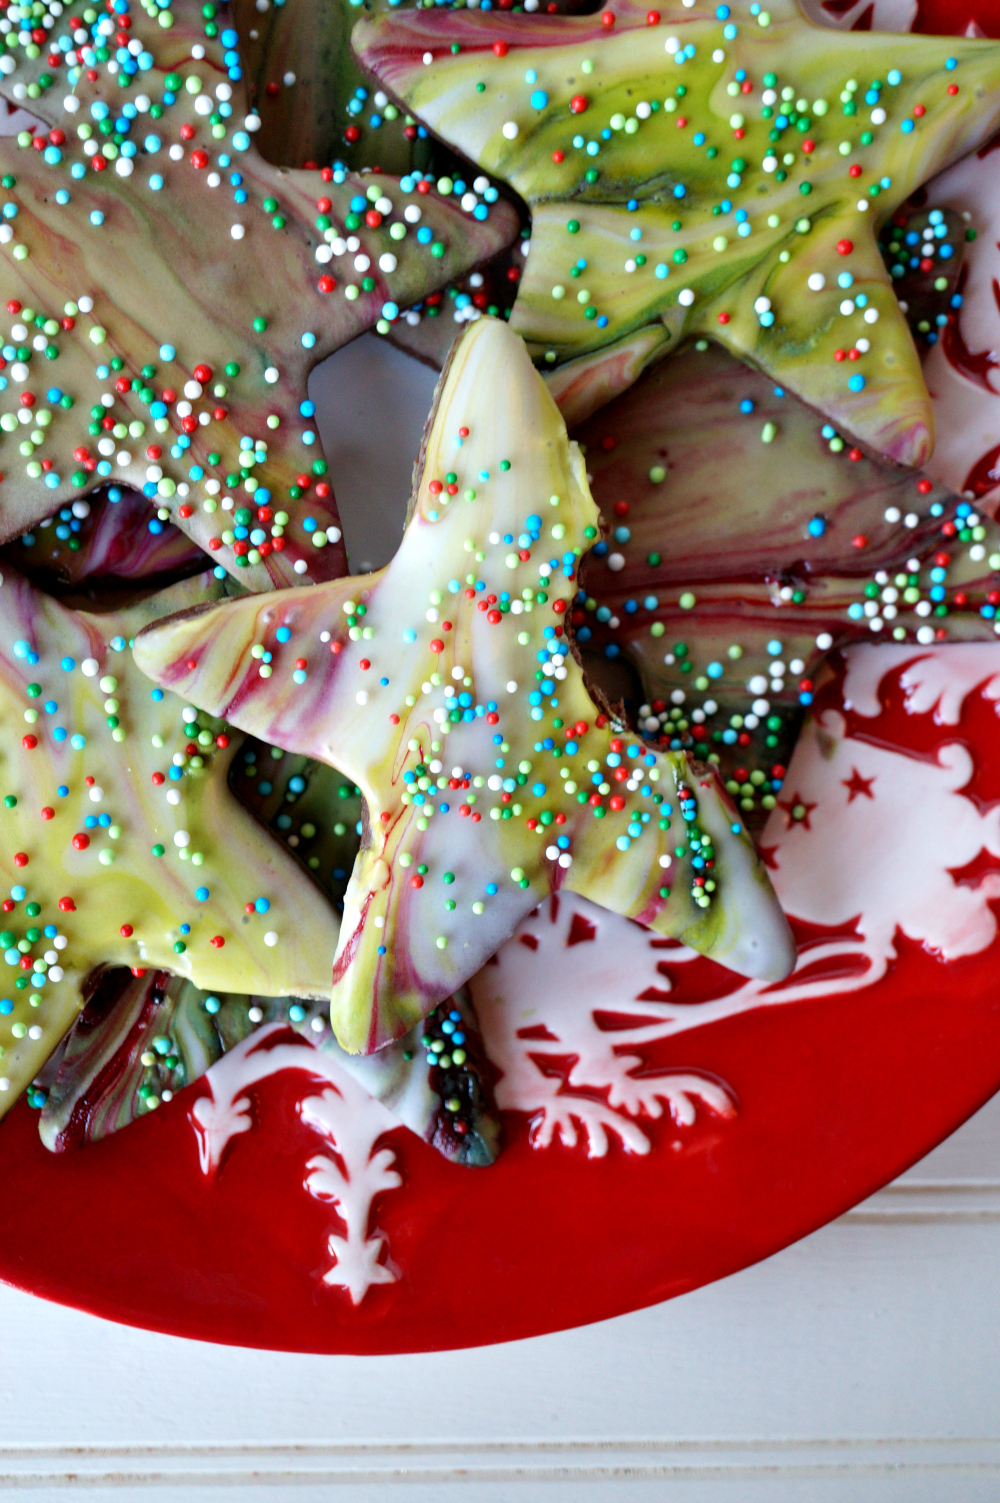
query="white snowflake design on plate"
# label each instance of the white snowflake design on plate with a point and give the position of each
(571, 1004)
(344, 1116)
(569, 964)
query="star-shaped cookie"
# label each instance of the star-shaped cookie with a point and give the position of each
(745, 540)
(167, 291)
(121, 842)
(694, 169)
(445, 685)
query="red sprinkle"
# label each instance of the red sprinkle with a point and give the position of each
(578, 103)
(925, 487)
(21, 858)
(48, 813)
(126, 931)
(844, 247)
(66, 905)
(81, 841)
(217, 941)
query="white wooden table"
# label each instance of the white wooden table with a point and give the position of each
(862, 1364)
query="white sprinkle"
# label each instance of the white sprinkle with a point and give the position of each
(762, 305)
(96, 794)
(270, 939)
(878, 116)
(685, 297)
(892, 514)
(237, 231)
(255, 1014)
(90, 667)
(252, 123)
(862, 205)
(512, 687)
(362, 696)
(300, 566)
(510, 130)
(56, 973)
(181, 839)
(665, 860)
(427, 59)
(871, 315)
(272, 374)
(816, 282)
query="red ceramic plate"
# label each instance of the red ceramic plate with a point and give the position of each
(666, 1122)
